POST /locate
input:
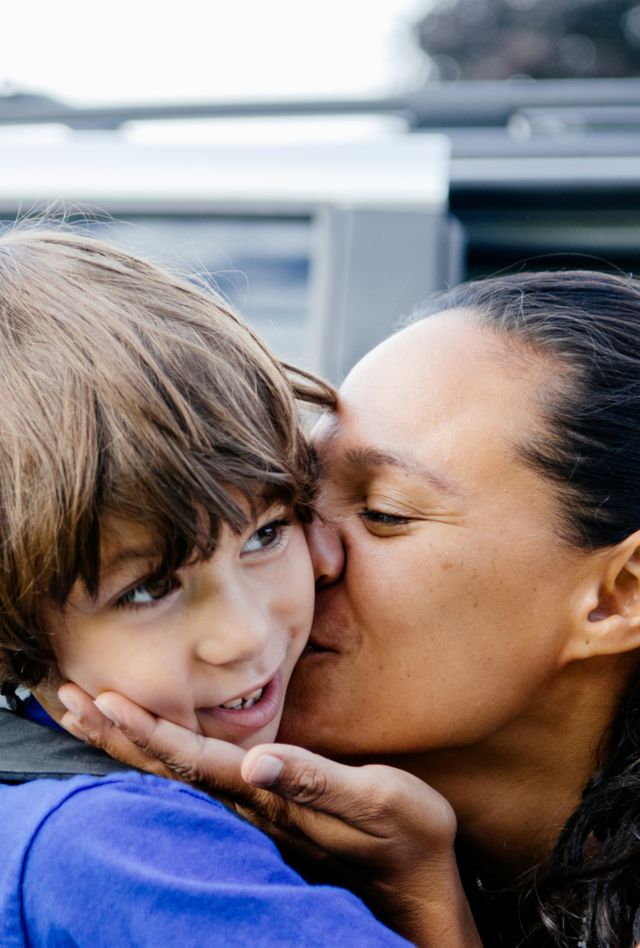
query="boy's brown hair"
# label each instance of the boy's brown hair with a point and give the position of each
(127, 392)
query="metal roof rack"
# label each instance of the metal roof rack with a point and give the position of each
(443, 105)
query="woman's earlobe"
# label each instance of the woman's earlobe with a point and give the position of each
(602, 634)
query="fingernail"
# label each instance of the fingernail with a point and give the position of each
(266, 770)
(70, 723)
(69, 704)
(106, 710)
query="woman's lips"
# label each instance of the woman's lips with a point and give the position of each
(258, 715)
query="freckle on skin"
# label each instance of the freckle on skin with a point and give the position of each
(447, 565)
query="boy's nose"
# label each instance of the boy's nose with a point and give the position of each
(233, 639)
(327, 552)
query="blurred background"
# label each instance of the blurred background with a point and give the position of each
(326, 166)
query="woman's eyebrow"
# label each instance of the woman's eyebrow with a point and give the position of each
(370, 457)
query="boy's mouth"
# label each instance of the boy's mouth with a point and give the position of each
(251, 711)
(247, 701)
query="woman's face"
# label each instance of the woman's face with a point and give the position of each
(452, 611)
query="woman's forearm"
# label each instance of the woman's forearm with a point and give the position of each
(433, 911)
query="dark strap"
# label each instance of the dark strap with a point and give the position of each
(29, 751)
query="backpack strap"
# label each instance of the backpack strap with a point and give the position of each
(29, 751)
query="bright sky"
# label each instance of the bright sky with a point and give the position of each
(145, 50)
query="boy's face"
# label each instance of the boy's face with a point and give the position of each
(211, 647)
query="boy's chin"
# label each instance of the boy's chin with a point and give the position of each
(247, 740)
(265, 736)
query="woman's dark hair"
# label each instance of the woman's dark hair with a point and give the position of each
(587, 327)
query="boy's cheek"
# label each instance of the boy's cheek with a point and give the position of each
(301, 579)
(157, 691)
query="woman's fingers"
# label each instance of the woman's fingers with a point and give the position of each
(86, 722)
(305, 778)
(376, 800)
(133, 735)
(190, 756)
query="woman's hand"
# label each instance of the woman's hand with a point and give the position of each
(395, 830)
(150, 743)
(392, 833)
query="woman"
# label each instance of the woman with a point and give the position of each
(482, 472)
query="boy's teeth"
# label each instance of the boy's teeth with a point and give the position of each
(233, 705)
(247, 702)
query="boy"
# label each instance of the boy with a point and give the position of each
(153, 480)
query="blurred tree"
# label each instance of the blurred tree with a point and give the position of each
(543, 39)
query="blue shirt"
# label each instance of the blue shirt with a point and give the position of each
(135, 860)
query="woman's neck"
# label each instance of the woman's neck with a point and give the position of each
(514, 791)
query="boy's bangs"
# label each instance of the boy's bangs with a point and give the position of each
(180, 526)
(182, 465)
(127, 393)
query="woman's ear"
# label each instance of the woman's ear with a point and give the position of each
(606, 613)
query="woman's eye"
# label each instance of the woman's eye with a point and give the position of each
(268, 535)
(150, 591)
(382, 519)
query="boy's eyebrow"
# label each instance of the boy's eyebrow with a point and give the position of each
(370, 457)
(123, 554)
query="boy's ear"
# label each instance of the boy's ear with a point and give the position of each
(606, 614)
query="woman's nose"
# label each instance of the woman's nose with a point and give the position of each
(327, 552)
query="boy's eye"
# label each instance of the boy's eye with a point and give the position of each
(268, 535)
(151, 590)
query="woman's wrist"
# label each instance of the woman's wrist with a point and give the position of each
(430, 906)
